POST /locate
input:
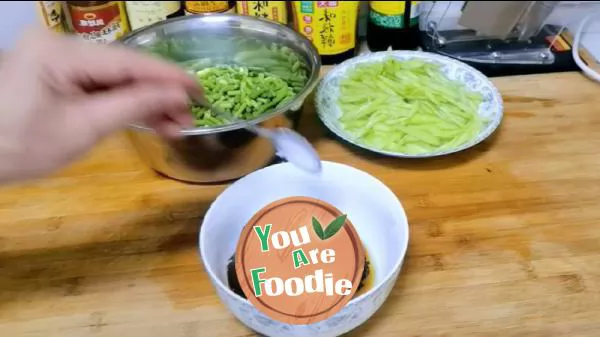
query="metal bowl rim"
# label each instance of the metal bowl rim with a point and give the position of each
(299, 99)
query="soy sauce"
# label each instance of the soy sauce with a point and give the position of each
(393, 23)
(366, 280)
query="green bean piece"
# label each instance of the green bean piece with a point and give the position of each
(244, 92)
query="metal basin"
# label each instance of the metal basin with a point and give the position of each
(227, 152)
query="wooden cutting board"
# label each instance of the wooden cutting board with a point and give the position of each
(504, 237)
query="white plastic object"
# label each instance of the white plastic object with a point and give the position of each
(575, 51)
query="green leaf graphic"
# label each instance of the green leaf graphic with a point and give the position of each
(335, 226)
(318, 229)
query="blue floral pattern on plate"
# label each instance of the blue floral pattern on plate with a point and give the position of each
(491, 108)
(355, 313)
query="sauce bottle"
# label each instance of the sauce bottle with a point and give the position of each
(272, 10)
(363, 19)
(330, 25)
(209, 7)
(393, 23)
(144, 13)
(97, 21)
(52, 15)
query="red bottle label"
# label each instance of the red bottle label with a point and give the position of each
(103, 24)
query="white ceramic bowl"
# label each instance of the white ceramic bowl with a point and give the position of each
(375, 211)
(490, 108)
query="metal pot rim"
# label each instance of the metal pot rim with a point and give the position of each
(298, 100)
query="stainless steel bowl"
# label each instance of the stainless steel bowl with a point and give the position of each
(215, 154)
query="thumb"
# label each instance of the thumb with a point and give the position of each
(111, 110)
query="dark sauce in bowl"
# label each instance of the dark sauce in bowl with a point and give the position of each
(366, 280)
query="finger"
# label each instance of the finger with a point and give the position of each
(117, 64)
(183, 118)
(163, 123)
(115, 109)
(105, 65)
(167, 129)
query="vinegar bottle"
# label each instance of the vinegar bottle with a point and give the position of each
(393, 24)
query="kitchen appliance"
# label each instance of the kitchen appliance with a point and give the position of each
(226, 152)
(500, 38)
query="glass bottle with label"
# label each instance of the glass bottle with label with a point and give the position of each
(209, 7)
(144, 13)
(52, 15)
(393, 23)
(272, 10)
(330, 25)
(97, 21)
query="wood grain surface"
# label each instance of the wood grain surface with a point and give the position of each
(288, 216)
(504, 237)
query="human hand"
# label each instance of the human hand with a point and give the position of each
(59, 96)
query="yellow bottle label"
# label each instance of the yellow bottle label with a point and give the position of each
(388, 7)
(330, 25)
(52, 15)
(103, 23)
(197, 7)
(170, 7)
(273, 10)
(125, 25)
(390, 14)
(144, 13)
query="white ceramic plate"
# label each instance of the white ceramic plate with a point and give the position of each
(328, 91)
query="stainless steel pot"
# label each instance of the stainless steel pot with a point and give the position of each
(226, 152)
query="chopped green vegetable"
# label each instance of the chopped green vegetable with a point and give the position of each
(246, 93)
(242, 76)
(408, 107)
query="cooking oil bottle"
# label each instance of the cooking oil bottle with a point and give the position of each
(209, 7)
(144, 13)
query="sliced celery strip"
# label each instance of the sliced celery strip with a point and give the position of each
(408, 107)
